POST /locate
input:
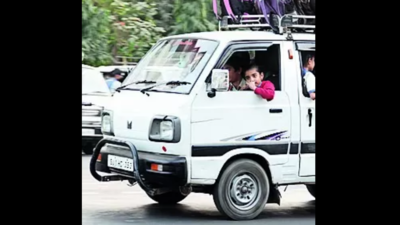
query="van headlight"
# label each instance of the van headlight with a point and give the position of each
(165, 129)
(106, 123)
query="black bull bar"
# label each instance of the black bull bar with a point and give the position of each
(132, 148)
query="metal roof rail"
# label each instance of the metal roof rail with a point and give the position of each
(246, 21)
(286, 23)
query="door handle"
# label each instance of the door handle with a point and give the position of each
(275, 110)
(309, 117)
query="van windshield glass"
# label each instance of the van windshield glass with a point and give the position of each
(93, 83)
(172, 60)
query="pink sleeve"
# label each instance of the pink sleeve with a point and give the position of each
(266, 91)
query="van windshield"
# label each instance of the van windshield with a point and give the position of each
(172, 60)
(93, 83)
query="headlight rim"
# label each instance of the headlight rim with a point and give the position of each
(176, 136)
(110, 114)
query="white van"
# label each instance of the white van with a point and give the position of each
(95, 96)
(173, 134)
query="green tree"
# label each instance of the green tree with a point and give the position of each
(133, 30)
(128, 28)
(140, 32)
(165, 17)
(95, 34)
(112, 28)
(193, 16)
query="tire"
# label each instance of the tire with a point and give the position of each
(169, 198)
(311, 189)
(87, 149)
(239, 173)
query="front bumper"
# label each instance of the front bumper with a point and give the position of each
(91, 135)
(173, 174)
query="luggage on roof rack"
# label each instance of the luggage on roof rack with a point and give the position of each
(265, 14)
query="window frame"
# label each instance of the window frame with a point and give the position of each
(241, 46)
(301, 47)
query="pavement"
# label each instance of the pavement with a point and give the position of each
(115, 203)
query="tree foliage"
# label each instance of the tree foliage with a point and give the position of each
(133, 28)
(128, 28)
(95, 34)
(192, 16)
(165, 17)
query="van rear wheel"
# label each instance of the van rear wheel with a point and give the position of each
(242, 190)
(169, 198)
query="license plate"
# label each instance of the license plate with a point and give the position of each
(87, 131)
(121, 163)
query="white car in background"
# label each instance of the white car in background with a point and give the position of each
(111, 68)
(95, 96)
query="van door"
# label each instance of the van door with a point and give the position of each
(240, 119)
(307, 117)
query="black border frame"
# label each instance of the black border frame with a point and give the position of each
(43, 101)
(346, 101)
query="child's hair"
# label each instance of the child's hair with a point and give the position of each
(235, 62)
(307, 58)
(253, 66)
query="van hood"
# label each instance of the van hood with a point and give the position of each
(156, 102)
(139, 110)
(97, 100)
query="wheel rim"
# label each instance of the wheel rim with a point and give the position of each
(244, 191)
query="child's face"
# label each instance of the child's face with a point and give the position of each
(254, 76)
(311, 64)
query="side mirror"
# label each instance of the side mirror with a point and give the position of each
(211, 94)
(219, 81)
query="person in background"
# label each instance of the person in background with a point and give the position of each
(254, 77)
(308, 76)
(112, 80)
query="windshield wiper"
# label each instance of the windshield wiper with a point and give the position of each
(136, 82)
(172, 82)
(87, 104)
(94, 92)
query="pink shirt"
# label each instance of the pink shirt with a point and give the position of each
(266, 90)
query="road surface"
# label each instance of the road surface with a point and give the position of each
(116, 203)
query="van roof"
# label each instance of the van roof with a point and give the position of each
(87, 66)
(227, 36)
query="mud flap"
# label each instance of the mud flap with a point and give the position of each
(275, 196)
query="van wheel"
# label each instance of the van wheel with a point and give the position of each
(87, 149)
(242, 190)
(169, 198)
(311, 189)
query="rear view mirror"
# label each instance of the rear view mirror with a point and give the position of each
(220, 79)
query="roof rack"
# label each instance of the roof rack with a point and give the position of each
(287, 23)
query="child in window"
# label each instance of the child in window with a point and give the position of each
(308, 76)
(254, 77)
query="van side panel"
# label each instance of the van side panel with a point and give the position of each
(288, 173)
(227, 124)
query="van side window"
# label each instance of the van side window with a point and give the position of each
(303, 55)
(268, 61)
